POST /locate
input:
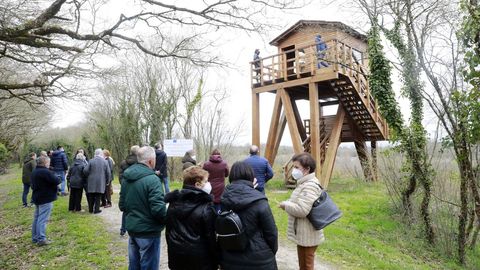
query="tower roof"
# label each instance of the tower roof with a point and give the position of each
(305, 23)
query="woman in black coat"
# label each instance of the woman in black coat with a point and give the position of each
(76, 182)
(252, 207)
(190, 224)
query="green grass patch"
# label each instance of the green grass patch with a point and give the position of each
(80, 240)
(369, 235)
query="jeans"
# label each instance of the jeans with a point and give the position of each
(40, 218)
(143, 253)
(26, 189)
(61, 174)
(165, 184)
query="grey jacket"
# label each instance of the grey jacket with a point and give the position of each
(98, 175)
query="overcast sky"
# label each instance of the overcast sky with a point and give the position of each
(237, 48)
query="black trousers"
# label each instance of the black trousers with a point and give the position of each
(94, 202)
(75, 201)
(106, 197)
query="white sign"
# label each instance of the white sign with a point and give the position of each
(177, 147)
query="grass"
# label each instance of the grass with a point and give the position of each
(368, 236)
(81, 240)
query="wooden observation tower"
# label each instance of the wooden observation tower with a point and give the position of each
(326, 64)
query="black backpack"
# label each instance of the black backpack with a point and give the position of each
(230, 231)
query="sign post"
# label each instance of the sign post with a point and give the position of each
(177, 147)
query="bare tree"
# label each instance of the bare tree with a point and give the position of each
(431, 29)
(213, 127)
(54, 43)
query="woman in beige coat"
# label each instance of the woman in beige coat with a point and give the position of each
(300, 230)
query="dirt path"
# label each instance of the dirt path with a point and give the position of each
(286, 255)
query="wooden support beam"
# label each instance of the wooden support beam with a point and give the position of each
(373, 145)
(298, 119)
(256, 119)
(362, 153)
(326, 74)
(333, 143)
(272, 133)
(315, 127)
(292, 125)
(278, 137)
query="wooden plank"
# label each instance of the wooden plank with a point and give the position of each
(278, 137)
(327, 74)
(256, 119)
(298, 119)
(292, 126)
(272, 133)
(315, 127)
(334, 142)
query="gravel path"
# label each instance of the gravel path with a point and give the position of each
(286, 255)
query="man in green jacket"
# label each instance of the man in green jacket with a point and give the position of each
(141, 199)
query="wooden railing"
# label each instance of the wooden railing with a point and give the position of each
(307, 61)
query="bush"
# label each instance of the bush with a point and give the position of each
(4, 157)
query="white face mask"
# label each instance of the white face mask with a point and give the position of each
(194, 157)
(207, 188)
(297, 173)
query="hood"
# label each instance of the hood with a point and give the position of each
(131, 159)
(188, 158)
(240, 194)
(188, 198)
(216, 158)
(136, 172)
(77, 162)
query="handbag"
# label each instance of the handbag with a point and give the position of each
(324, 211)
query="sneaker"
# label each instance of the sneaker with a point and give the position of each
(44, 243)
(97, 212)
(107, 206)
(122, 233)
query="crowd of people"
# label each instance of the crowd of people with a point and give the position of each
(189, 214)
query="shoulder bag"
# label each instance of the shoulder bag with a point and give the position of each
(324, 211)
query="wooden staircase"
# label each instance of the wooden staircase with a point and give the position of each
(343, 81)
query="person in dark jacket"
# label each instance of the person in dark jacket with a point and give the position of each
(190, 227)
(27, 169)
(261, 167)
(217, 170)
(252, 207)
(83, 152)
(44, 186)
(76, 181)
(141, 198)
(107, 195)
(161, 166)
(188, 159)
(59, 166)
(127, 162)
(98, 175)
